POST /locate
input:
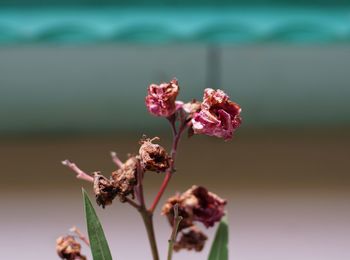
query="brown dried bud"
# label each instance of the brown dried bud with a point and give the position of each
(196, 204)
(194, 239)
(153, 156)
(104, 190)
(68, 248)
(125, 178)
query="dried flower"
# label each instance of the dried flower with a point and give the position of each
(153, 156)
(104, 189)
(160, 100)
(194, 239)
(196, 204)
(210, 208)
(184, 210)
(125, 178)
(68, 248)
(218, 116)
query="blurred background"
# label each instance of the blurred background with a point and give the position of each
(73, 77)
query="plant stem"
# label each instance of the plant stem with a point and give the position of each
(132, 203)
(146, 215)
(148, 221)
(80, 174)
(177, 220)
(116, 159)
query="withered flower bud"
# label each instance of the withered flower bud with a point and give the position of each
(194, 239)
(153, 156)
(68, 248)
(125, 178)
(196, 204)
(104, 189)
(160, 99)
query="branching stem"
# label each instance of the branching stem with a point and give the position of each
(147, 215)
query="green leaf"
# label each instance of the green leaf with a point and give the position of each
(98, 242)
(219, 248)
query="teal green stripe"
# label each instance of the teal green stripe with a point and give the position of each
(174, 25)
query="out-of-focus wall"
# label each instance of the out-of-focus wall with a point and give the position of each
(89, 89)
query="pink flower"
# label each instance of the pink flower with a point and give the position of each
(218, 115)
(160, 99)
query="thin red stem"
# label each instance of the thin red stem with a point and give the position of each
(116, 159)
(161, 191)
(169, 172)
(80, 174)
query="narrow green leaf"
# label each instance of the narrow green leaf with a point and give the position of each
(219, 248)
(98, 242)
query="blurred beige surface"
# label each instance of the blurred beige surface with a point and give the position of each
(288, 193)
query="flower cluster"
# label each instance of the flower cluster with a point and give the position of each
(195, 205)
(216, 115)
